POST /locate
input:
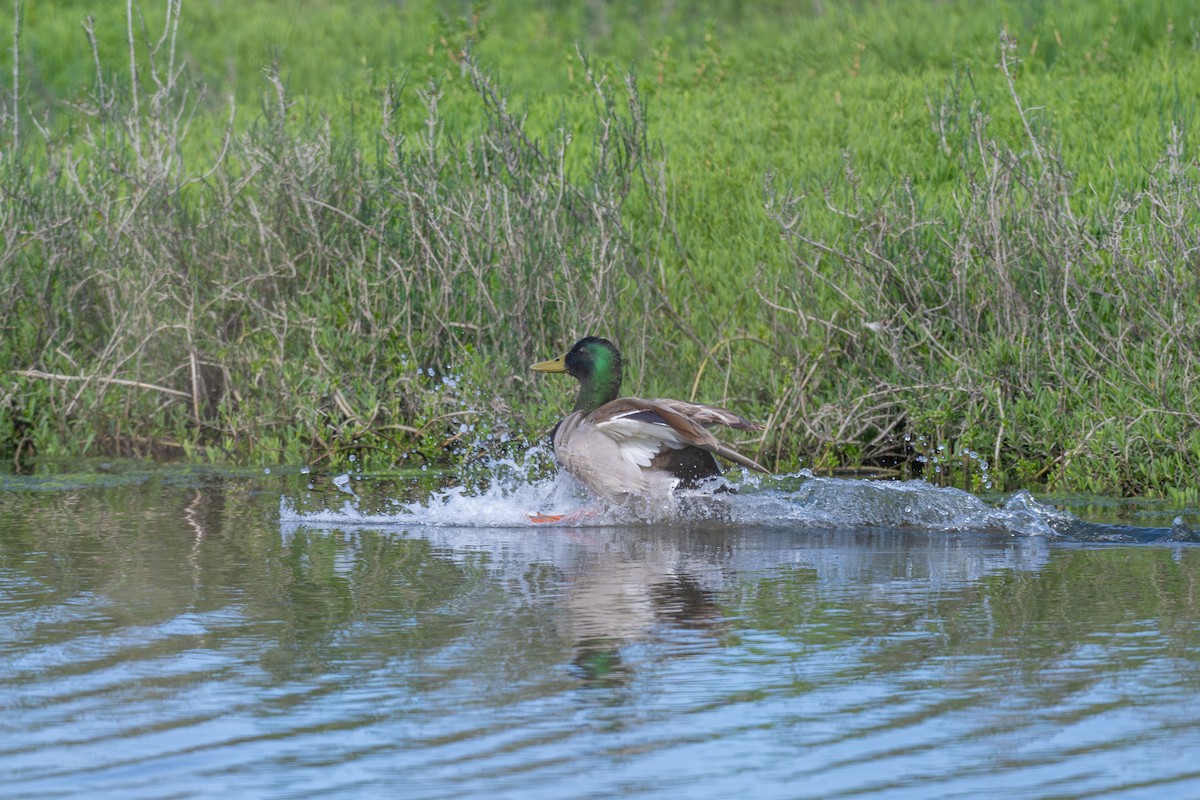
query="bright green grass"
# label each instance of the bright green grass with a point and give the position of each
(731, 94)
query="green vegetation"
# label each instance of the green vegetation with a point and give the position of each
(892, 231)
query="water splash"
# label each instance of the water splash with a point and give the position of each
(507, 482)
(496, 506)
(510, 495)
(914, 505)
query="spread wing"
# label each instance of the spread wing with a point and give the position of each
(708, 416)
(643, 428)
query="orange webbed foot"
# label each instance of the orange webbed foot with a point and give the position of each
(574, 516)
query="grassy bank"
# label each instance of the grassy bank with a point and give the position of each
(890, 232)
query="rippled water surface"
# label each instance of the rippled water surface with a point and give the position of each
(181, 633)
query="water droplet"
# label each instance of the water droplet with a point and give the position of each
(353, 457)
(267, 471)
(342, 482)
(305, 470)
(983, 465)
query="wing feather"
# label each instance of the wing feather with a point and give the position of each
(655, 424)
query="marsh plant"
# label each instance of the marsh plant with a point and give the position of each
(282, 292)
(1007, 322)
(182, 276)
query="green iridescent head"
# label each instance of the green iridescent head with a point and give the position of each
(596, 364)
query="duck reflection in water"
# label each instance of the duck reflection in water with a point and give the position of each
(623, 599)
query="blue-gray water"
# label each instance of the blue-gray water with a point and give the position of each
(182, 634)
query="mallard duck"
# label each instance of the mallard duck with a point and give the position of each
(627, 447)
